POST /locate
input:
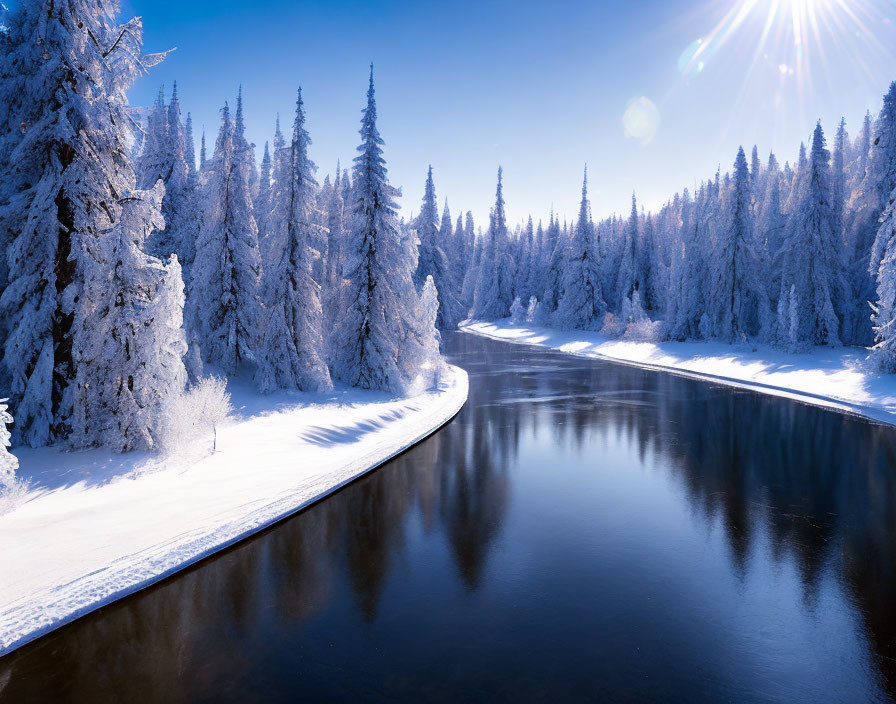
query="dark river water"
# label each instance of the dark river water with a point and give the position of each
(582, 531)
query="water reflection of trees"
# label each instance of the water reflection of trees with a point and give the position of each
(207, 629)
(821, 487)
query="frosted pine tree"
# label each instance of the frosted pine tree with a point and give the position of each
(262, 202)
(164, 157)
(428, 360)
(582, 306)
(190, 154)
(884, 310)
(881, 178)
(269, 244)
(223, 306)
(130, 346)
(8, 462)
(629, 277)
(64, 160)
(735, 278)
(334, 207)
(203, 158)
(291, 353)
(432, 260)
(151, 165)
(811, 256)
(375, 344)
(494, 286)
(552, 284)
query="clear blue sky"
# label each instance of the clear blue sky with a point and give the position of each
(539, 88)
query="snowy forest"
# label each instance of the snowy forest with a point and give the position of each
(130, 270)
(796, 255)
(137, 266)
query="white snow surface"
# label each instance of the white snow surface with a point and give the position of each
(96, 526)
(837, 378)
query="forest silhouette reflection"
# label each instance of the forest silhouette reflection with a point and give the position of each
(580, 528)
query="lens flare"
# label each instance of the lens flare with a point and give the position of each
(794, 34)
(641, 119)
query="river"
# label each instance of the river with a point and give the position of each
(582, 531)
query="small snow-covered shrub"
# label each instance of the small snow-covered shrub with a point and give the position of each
(532, 309)
(195, 414)
(517, 312)
(12, 488)
(612, 326)
(644, 330)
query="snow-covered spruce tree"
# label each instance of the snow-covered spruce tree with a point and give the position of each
(432, 259)
(203, 158)
(875, 179)
(884, 310)
(459, 261)
(150, 165)
(190, 154)
(269, 244)
(812, 253)
(334, 207)
(881, 178)
(582, 306)
(223, 305)
(429, 360)
(8, 462)
(262, 202)
(164, 157)
(494, 286)
(555, 253)
(131, 362)
(629, 276)
(838, 176)
(291, 353)
(736, 283)
(473, 250)
(377, 340)
(64, 163)
(517, 312)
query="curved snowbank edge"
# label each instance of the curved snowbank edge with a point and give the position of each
(68, 602)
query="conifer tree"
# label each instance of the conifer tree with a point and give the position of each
(629, 277)
(223, 305)
(262, 202)
(130, 343)
(884, 310)
(735, 278)
(492, 299)
(64, 161)
(202, 153)
(582, 305)
(811, 257)
(432, 259)
(190, 154)
(291, 353)
(377, 341)
(8, 461)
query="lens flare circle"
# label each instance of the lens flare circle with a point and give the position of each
(641, 119)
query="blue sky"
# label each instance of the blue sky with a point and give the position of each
(539, 88)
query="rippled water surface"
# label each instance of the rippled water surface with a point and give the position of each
(581, 531)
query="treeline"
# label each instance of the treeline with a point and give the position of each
(797, 255)
(130, 268)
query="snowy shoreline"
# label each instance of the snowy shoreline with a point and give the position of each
(828, 377)
(96, 526)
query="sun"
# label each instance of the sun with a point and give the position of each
(791, 36)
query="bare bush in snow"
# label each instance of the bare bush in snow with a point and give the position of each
(195, 414)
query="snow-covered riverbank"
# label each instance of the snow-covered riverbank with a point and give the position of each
(96, 526)
(831, 377)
